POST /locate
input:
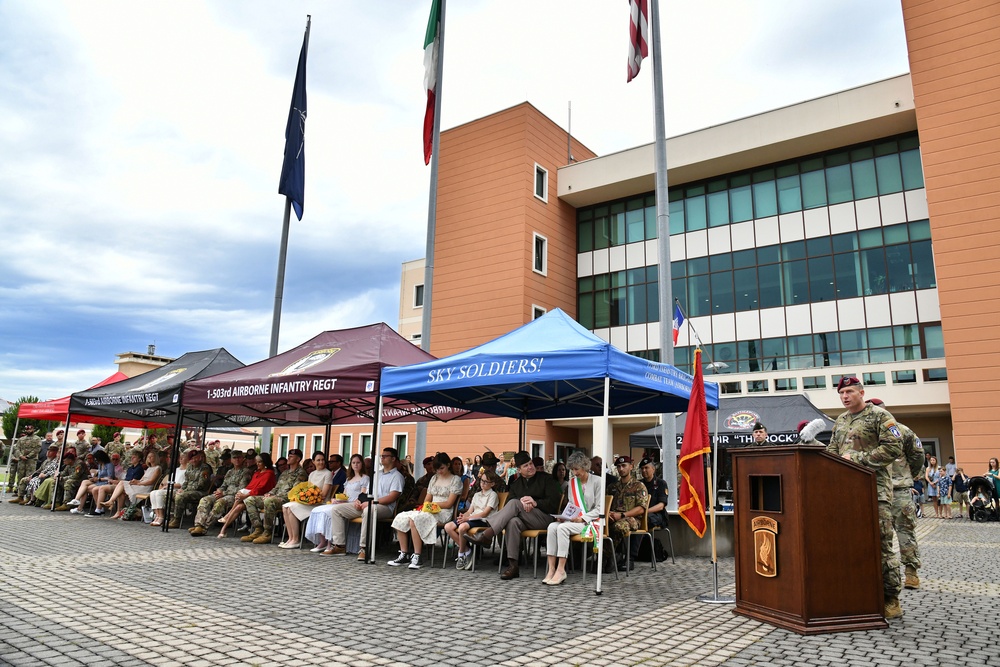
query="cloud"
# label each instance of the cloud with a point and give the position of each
(142, 145)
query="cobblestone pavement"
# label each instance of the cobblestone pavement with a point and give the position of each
(96, 592)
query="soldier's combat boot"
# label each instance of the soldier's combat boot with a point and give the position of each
(16, 499)
(262, 539)
(174, 523)
(912, 581)
(197, 531)
(252, 536)
(63, 508)
(47, 506)
(892, 608)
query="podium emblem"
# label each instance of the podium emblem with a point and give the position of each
(765, 536)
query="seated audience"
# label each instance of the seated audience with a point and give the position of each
(213, 506)
(443, 491)
(483, 503)
(129, 490)
(584, 506)
(293, 512)
(262, 481)
(321, 519)
(158, 497)
(197, 482)
(271, 502)
(104, 476)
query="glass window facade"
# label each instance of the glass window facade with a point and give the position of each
(837, 348)
(877, 168)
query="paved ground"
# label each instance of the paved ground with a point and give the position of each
(176, 600)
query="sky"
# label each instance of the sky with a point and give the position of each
(141, 144)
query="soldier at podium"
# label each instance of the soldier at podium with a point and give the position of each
(759, 435)
(868, 435)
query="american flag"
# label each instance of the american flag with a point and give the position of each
(638, 36)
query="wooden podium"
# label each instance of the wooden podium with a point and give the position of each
(806, 533)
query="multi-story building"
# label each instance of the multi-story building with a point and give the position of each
(850, 234)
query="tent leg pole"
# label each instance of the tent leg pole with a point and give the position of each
(13, 438)
(173, 467)
(62, 451)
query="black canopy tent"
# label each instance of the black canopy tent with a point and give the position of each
(781, 416)
(155, 396)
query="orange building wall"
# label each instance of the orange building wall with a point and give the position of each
(487, 215)
(954, 50)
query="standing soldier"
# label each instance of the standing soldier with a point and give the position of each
(272, 501)
(627, 505)
(26, 450)
(868, 435)
(197, 481)
(904, 470)
(213, 506)
(116, 446)
(81, 445)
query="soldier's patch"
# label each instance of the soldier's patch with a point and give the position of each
(919, 446)
(895, 431)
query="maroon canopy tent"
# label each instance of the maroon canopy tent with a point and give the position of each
(332, 378)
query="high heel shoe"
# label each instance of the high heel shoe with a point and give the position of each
(557, 579)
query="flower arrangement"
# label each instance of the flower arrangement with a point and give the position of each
(306, 493)
(431, 508)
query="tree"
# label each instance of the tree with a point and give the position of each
(10, 420)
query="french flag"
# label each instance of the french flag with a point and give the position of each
(678, 321)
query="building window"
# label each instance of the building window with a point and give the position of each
(366, 445)
(418, 296)
(858, 172)
(536, 312)
(300, 443)
(283, 444)
(317, 443)
(814, 382)
(785, 384)
(835, 348)
(619, 298)
(538, 449)
(873, 379)
(541, 182)
(540, 254)
(416, 338)
(345, 446)
(399, 443)
(731, 387)
(904, 377)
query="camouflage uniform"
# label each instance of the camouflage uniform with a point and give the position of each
(213, 457)
(211, 508)
(82, 448)
(116, 448)
(272, 501)
(27, 446)
(72, 480)
(44, 492)
(627, 494)
(197, 479)
(872, 439)
(904, 513)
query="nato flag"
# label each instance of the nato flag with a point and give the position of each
(293, 169)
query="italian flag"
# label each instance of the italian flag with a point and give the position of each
(432, 44)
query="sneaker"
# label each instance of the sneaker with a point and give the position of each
(415, 563)
(73, 503)
(362, 556)
(93, 513)
(468, 561)
(75, 511)
(460, 563)
(401, 559)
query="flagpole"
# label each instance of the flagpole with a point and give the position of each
(425, 324)
(668, 446)
(292, 181)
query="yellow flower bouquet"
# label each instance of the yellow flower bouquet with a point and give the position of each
(306, 493)
(431, 508)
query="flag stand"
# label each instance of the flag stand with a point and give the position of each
(714, 598)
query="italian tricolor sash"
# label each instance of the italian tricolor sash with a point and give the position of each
(593, 528)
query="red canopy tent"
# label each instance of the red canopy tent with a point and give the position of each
(58, 409)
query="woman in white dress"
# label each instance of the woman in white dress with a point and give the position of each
(294, 512)
(584, 493)
(319, 529)
(443, 489)
(158, 498)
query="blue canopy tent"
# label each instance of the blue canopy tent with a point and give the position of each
(549, 368)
